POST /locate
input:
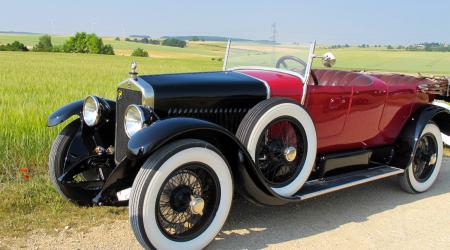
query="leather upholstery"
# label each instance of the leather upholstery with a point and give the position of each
(327, 77)
(341, 78)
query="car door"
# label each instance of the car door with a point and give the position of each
(366, 109)
(328, 107)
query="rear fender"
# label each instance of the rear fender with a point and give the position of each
(410, 134)
(249, 182)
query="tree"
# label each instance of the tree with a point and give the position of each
(127, 39)
(390, 47)
(15, 46)
(117, 38)
(87, 43)
(139, 52)
(108, 50)
(195, 39)
(174, 42)
(94, 44)
(44, 44)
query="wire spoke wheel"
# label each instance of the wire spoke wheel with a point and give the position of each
(281, 151)
(425, 157)
(187, 201)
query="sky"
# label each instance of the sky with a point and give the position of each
(328, 22)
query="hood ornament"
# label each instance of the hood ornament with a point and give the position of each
(133, 73)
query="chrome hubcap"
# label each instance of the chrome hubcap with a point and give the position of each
(433, 159)
(196, 205)
(290, 153)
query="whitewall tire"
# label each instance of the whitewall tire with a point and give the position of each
(178, 223)
(421, 174)
(285, 115)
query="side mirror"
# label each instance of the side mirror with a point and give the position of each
(328, 60)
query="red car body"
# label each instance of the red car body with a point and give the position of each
(351, 110)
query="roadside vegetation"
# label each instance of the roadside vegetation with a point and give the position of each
(35, 84)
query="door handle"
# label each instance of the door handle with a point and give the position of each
(336, 102)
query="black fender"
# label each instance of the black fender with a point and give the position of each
(248, 180)
(411, 132)
(75, 108)
(65, 112)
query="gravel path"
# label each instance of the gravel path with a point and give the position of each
(374, 216)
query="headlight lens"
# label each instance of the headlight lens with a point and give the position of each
(91, 111)
(134, 120)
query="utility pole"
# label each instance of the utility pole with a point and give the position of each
(273, 38)
(52, 24)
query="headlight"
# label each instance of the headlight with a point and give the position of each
(134, 120)
(91, 111)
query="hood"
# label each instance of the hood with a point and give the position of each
(205, 90)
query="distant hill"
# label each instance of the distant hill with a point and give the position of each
(215, 39)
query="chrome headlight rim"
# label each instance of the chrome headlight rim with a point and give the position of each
(140, 123)
(91, 111)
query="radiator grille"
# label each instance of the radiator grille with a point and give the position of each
(124, 99)
(229, 118)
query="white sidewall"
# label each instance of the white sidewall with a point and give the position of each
(445, 138)
(196, 154)
(423, 186)
(295, 111)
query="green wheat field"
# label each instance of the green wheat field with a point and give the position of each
(35, 84)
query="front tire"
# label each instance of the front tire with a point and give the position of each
(61, 156)
(281, 138)
(421, 174)
(181, 197)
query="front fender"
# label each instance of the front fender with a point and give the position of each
(249, 182)
(407, 141)
(65, 112)
(75, 108)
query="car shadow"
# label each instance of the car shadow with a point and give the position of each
(255, 227)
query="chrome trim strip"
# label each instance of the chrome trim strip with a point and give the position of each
(269, 94)
(269, 69)
(227, 52)
(137, 84)
(351, 184)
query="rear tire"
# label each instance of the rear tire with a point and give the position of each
(421, 174)
(154, 204)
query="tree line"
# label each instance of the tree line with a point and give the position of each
(173, 42)
(80, 43)
(439, 47)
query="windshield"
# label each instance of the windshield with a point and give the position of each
(292, 57)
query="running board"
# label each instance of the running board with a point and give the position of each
(327, 185)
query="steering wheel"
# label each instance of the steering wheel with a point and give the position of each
(283, 59)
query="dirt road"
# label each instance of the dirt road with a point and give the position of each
(374, 216)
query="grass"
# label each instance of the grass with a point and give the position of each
(35, 84)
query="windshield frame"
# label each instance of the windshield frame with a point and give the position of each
(304, 79)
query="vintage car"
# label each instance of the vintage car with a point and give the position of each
(177, 147)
